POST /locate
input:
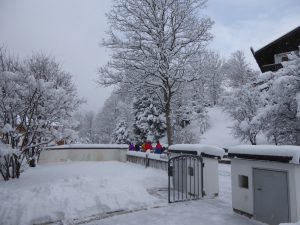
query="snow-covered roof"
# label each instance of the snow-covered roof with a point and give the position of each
(203, 150)
(89, 146)
(281, 153)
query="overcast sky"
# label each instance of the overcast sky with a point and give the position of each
(71, 30)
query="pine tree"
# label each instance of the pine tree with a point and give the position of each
(149, 120)
(120, 134)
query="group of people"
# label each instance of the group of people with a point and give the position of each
(147, 145)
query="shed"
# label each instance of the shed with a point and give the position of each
(266, 182)
(209, 177)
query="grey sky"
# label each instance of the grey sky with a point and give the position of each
(71, 30)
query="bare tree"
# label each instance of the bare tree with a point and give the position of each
(154, 43)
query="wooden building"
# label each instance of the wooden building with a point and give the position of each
(269, 57)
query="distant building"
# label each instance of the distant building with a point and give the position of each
(269, 57)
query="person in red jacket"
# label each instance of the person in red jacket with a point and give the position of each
(148, 145)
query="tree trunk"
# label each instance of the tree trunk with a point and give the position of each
(169, 123)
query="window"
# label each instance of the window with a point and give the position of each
(243, 181)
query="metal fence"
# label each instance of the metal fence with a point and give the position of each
(185, 178)
(148, 161)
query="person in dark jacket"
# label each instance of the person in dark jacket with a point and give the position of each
(137, 147)
(158, 148)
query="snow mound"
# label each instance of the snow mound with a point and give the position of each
(64, 191)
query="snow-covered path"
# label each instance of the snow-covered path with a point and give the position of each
(77, 192)
(219, 133)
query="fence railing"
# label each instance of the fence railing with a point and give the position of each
(158, 161)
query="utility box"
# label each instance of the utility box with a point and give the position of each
(195, 169)
(266, 182)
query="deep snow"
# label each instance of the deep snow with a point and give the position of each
(219, 132)
(73, 192)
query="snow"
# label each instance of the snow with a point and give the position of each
(7, 128)
(6, 150)
(199, 148)
(269, 150)
(89, 146)
(219, 132)
(73, 190)
(93, 192)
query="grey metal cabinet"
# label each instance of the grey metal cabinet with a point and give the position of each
(271, 198)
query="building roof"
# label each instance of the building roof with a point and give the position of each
(286, 43)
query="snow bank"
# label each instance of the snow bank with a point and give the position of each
(89, 146)
(65, 191)
(297, 223)
(268, 150)
(200, 149)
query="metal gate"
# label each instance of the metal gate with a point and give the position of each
(185, 178)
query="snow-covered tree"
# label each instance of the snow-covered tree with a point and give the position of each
(149, 123)
(120, 134)
(281, 112)
(85, 126)
(116, 108)
(243, 105)
(237, 70)
(36, 101)
(154, 45)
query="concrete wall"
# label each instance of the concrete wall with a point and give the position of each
(62, 155)
(242, 198)
(297, 187)
(211, 176)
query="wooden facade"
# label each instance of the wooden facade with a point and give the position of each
(269, 57)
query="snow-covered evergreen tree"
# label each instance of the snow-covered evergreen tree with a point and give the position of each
(149, 121)
(121, 134)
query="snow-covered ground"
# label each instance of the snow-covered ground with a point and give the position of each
(219, 132)
(95, 192)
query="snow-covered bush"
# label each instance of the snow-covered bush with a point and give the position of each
(10, 163)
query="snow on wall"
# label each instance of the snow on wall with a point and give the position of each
(89, 146)
(199, 148)
(268, 150)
